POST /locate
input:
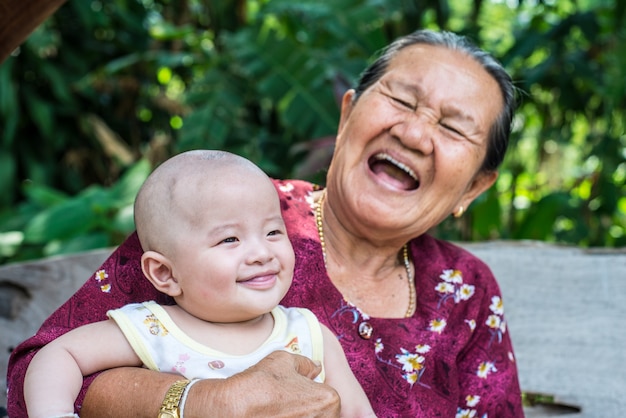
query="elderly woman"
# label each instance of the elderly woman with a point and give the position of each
(420, 320)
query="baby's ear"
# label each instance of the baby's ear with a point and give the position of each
(158, 269)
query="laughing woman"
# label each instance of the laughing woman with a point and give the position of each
(420, 320)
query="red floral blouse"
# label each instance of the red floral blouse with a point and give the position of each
(452, 358)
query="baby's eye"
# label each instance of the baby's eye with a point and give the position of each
(275, 232)
(230, 240)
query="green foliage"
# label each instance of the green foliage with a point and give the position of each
(49, 222)
(103, 91)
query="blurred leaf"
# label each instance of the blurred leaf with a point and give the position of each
(8, 104)
(486, 215)
(7, 178)
(166, 31)
(80, 243)
(10, 243)
(70, 218)
(125, 190)
(123, 221)
(41, 113)
(59, 84)
(122, 63)
(43, 196)
(538, 222)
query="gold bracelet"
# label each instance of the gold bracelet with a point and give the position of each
(171, 402)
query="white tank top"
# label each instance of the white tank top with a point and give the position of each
(163, 346)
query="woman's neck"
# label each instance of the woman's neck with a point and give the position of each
(370, 275)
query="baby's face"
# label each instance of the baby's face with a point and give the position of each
(234, 262)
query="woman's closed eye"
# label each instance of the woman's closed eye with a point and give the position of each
(399, 100)
(402, 102)
(452, 130)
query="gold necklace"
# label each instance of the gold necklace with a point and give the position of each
(319, 211)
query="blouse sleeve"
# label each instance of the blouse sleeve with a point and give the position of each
(489, 385)
(117, 282)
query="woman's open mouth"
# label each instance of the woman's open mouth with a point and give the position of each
(402, 176)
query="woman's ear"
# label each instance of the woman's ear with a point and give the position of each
(483, 181)
(158, 270)
(346, 108)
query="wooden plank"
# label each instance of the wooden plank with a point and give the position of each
(38, 289)
(19, 18)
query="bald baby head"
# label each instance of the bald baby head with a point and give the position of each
(172, 198)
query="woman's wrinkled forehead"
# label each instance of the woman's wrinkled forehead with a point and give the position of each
(417, 57)
(447, 78)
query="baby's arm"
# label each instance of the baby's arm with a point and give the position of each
(354, 402)
(55, 375)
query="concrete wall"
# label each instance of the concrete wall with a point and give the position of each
(566, 310)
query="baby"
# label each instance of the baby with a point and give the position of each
(213, 237)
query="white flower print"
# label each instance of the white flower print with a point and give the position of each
(485, 368)
(466, 291)
(411, 377)
(465, 413)
(101, 275)
(472, 400)
(422, 348)
(471, 323)
(452, 276)
(411, 364)
(437, 325)
(452, 286)
(496, 322)
(410, 361)
(493, 322)
(497, 306)
(444, 287)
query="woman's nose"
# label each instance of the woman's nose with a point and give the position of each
(415, 132)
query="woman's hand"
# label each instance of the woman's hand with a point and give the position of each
(280, 385)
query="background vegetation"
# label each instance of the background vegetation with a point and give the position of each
(102, 91)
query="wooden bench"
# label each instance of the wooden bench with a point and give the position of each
(566, 311)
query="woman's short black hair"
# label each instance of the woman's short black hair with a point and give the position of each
(501, 129)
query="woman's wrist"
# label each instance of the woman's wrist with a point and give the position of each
(208, 395)
(183, 398)
(127, 391)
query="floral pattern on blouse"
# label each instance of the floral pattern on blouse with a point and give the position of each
(101, 276)
(411, 363)
(452, 286)
(443, 361)
(453, 357)
(495, 321)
